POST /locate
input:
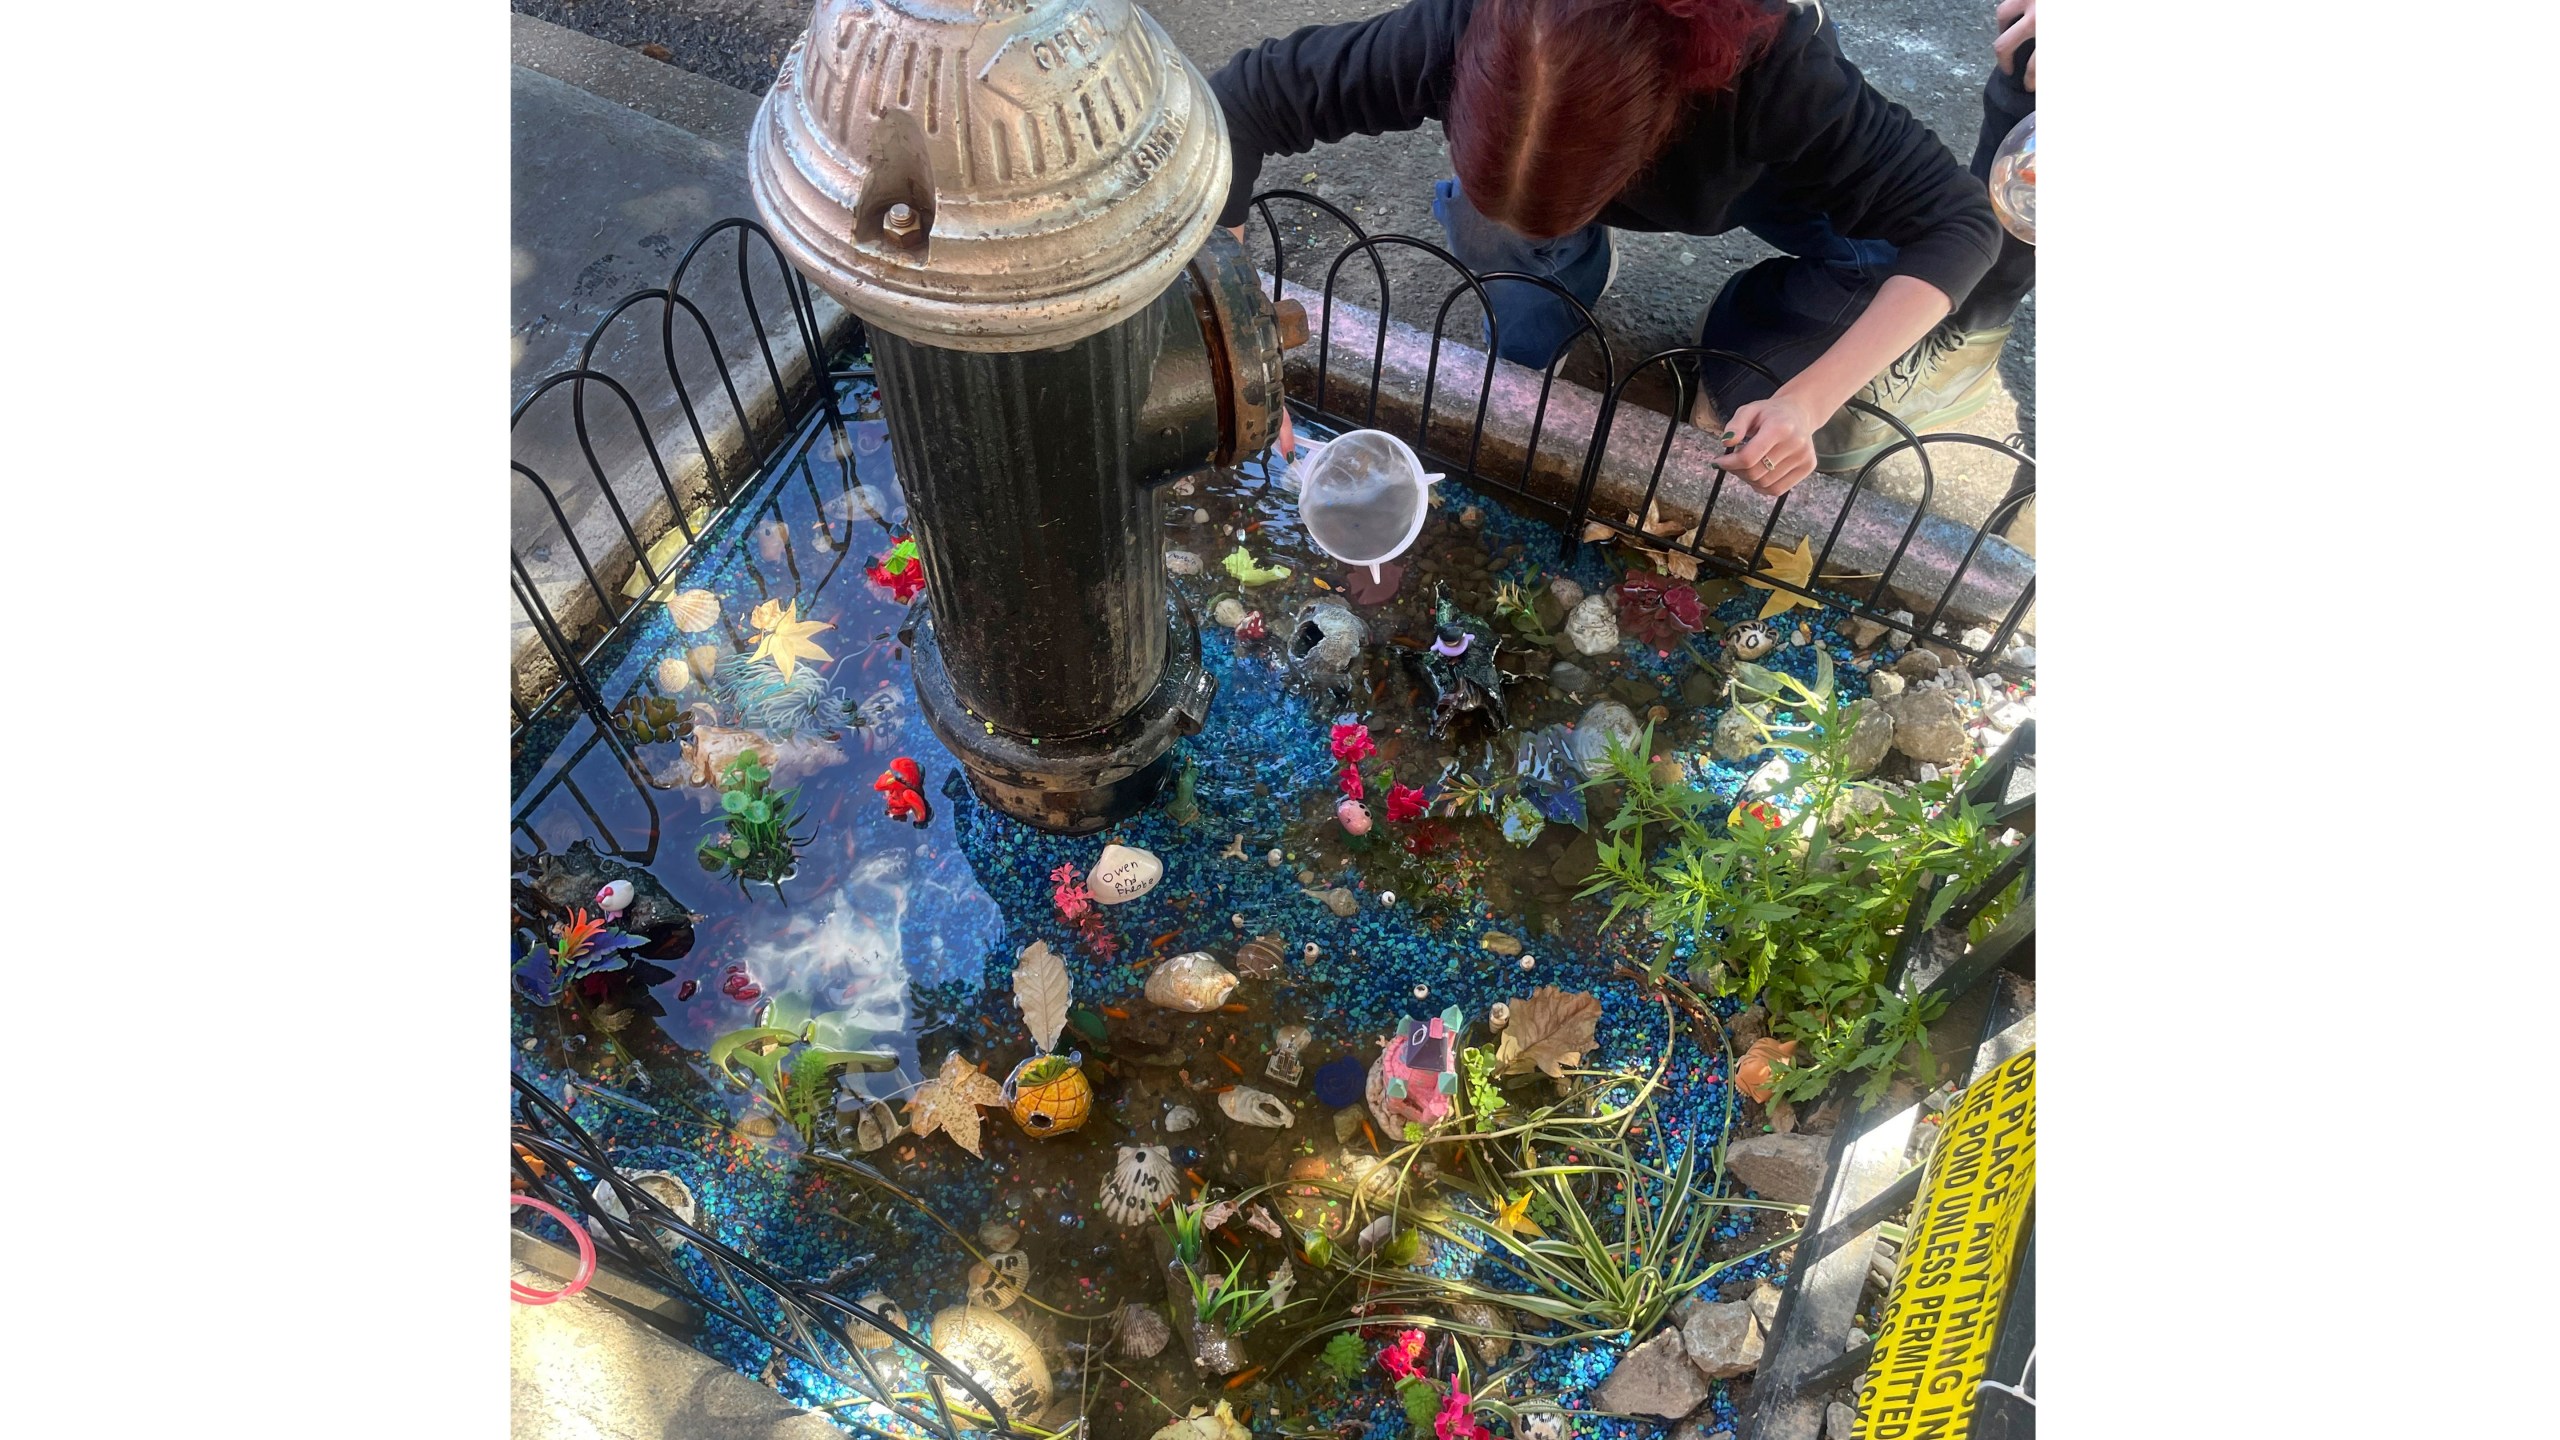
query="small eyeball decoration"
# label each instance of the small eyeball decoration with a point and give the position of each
(616, 897)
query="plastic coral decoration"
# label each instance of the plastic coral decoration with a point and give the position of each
(1067, 888)
(1349, 780)
(903, 783)
(1404, 803)
(1659, 610)
(901, 570)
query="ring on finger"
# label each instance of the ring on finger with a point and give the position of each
(1768, 462)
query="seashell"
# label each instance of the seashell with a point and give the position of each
(704, 659)
(667, 1189)
(1751, 1073)
(1498, 1016)
(615, 897)
(1141, 1333)
(1124, 873)
(1179, 1119)
(1140, 1183)
(1803, 635)
(1339, 900)
(994, 1352)
(999, 1280)
(999, 1235)
(1543, 1425)
(1261, 957)
(1192, 981)
(674, 675)
(872, 1337)
(877, 1126)
(1353, 815)
(694, 611)
(1259, 1108)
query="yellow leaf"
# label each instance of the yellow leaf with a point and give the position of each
(786, 638)
(1796, 568)
(1514, 1217)
(949, 1102)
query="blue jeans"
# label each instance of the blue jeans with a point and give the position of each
(1782, 312)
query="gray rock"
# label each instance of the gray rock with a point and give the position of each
(1976, 639)
(1775, 775)
(1489, 1348)
(1580, 861)
(1229, 611)
(999, 1235)
(1722, 1340)
(1592, 733)
(2019, 656)
(1737, 735)
(1592, 628)
(1919, 665)
(1780, 1167)
(1181, 562)
(1764, 1305)
(1748, 1026)
(1696, 1429)
(1870, 738)
(1570, 678)
(1655, 1378)
(1567, 593)
(1928, 726)
(1839, 1422)
(1884, 685)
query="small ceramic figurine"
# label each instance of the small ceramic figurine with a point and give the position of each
(1284, 1065)
(616, 896)
(1458, 667)
(1416, 1076)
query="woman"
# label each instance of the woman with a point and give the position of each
(1566, 117)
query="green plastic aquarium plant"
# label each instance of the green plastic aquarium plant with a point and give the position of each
(1801, 904)
(753, 839)
(790, 1073)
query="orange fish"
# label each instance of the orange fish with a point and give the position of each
(1243, 1375)
(1229, 1062)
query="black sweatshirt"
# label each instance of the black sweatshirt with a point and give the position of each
(1799, 134)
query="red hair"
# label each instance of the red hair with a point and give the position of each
(1559, 104)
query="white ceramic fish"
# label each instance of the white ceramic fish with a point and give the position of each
(1141, 1182)
(1193, 981)
(1259, 1108)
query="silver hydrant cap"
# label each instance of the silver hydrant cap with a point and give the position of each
(1058, 162)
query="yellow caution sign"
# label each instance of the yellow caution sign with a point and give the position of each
(1944, 1313)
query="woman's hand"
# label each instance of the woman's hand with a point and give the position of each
(2018, 21)
(1773, 444)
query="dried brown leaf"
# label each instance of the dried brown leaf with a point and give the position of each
(1548, 1031)
(949, 1102)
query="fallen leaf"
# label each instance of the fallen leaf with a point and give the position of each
(1548, 1031)
(1796, 568)
(1513, 1219)
(949, 1102)
(786, 636)
(1043, 990)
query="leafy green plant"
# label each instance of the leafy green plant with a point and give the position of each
(1344, 1356)
(1189, 1232)
(1803, 903)
(1483, 1096)
(754, 839)
(1421, 1404)
(1225, 1300)
(1519, 605)
(794, 1076)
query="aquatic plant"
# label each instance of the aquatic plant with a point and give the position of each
(1223, 1300)
(1343, 1356)
(901, 570)
(782, 707)
(1404, 803)
(790, 1073)
(652, 720)
(754, 839)
(1518, 604)
(583, 945)
(1800, 898)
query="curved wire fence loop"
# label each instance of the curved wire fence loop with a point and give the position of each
(1279, 251)
(639, 1238)
(675, 373)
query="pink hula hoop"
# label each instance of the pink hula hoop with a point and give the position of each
(525, 1294)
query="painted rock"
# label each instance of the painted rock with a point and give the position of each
(1049, 1095)
(1193, 981)
(1179, 1119)
(872, 1337)
(1124, 873)
(996, 1353)
(1141, 1181)
(1259, 1108)
(997, 1281)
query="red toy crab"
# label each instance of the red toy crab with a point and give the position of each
(903, 783)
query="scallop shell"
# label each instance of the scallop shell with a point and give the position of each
(1139, 1184)
(999, 1280)
(1751, 1073)
(994, 1352)
(1141, 1333)
(1193, 981)
(674, 675)
(694, 611)
(1261, 957)
(1259, 1108)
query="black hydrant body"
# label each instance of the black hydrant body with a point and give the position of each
(1017, 197)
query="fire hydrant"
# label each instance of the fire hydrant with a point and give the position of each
(1018, 198)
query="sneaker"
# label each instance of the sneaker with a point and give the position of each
(1949, 375)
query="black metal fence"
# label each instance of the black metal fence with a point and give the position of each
(888, 1369)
